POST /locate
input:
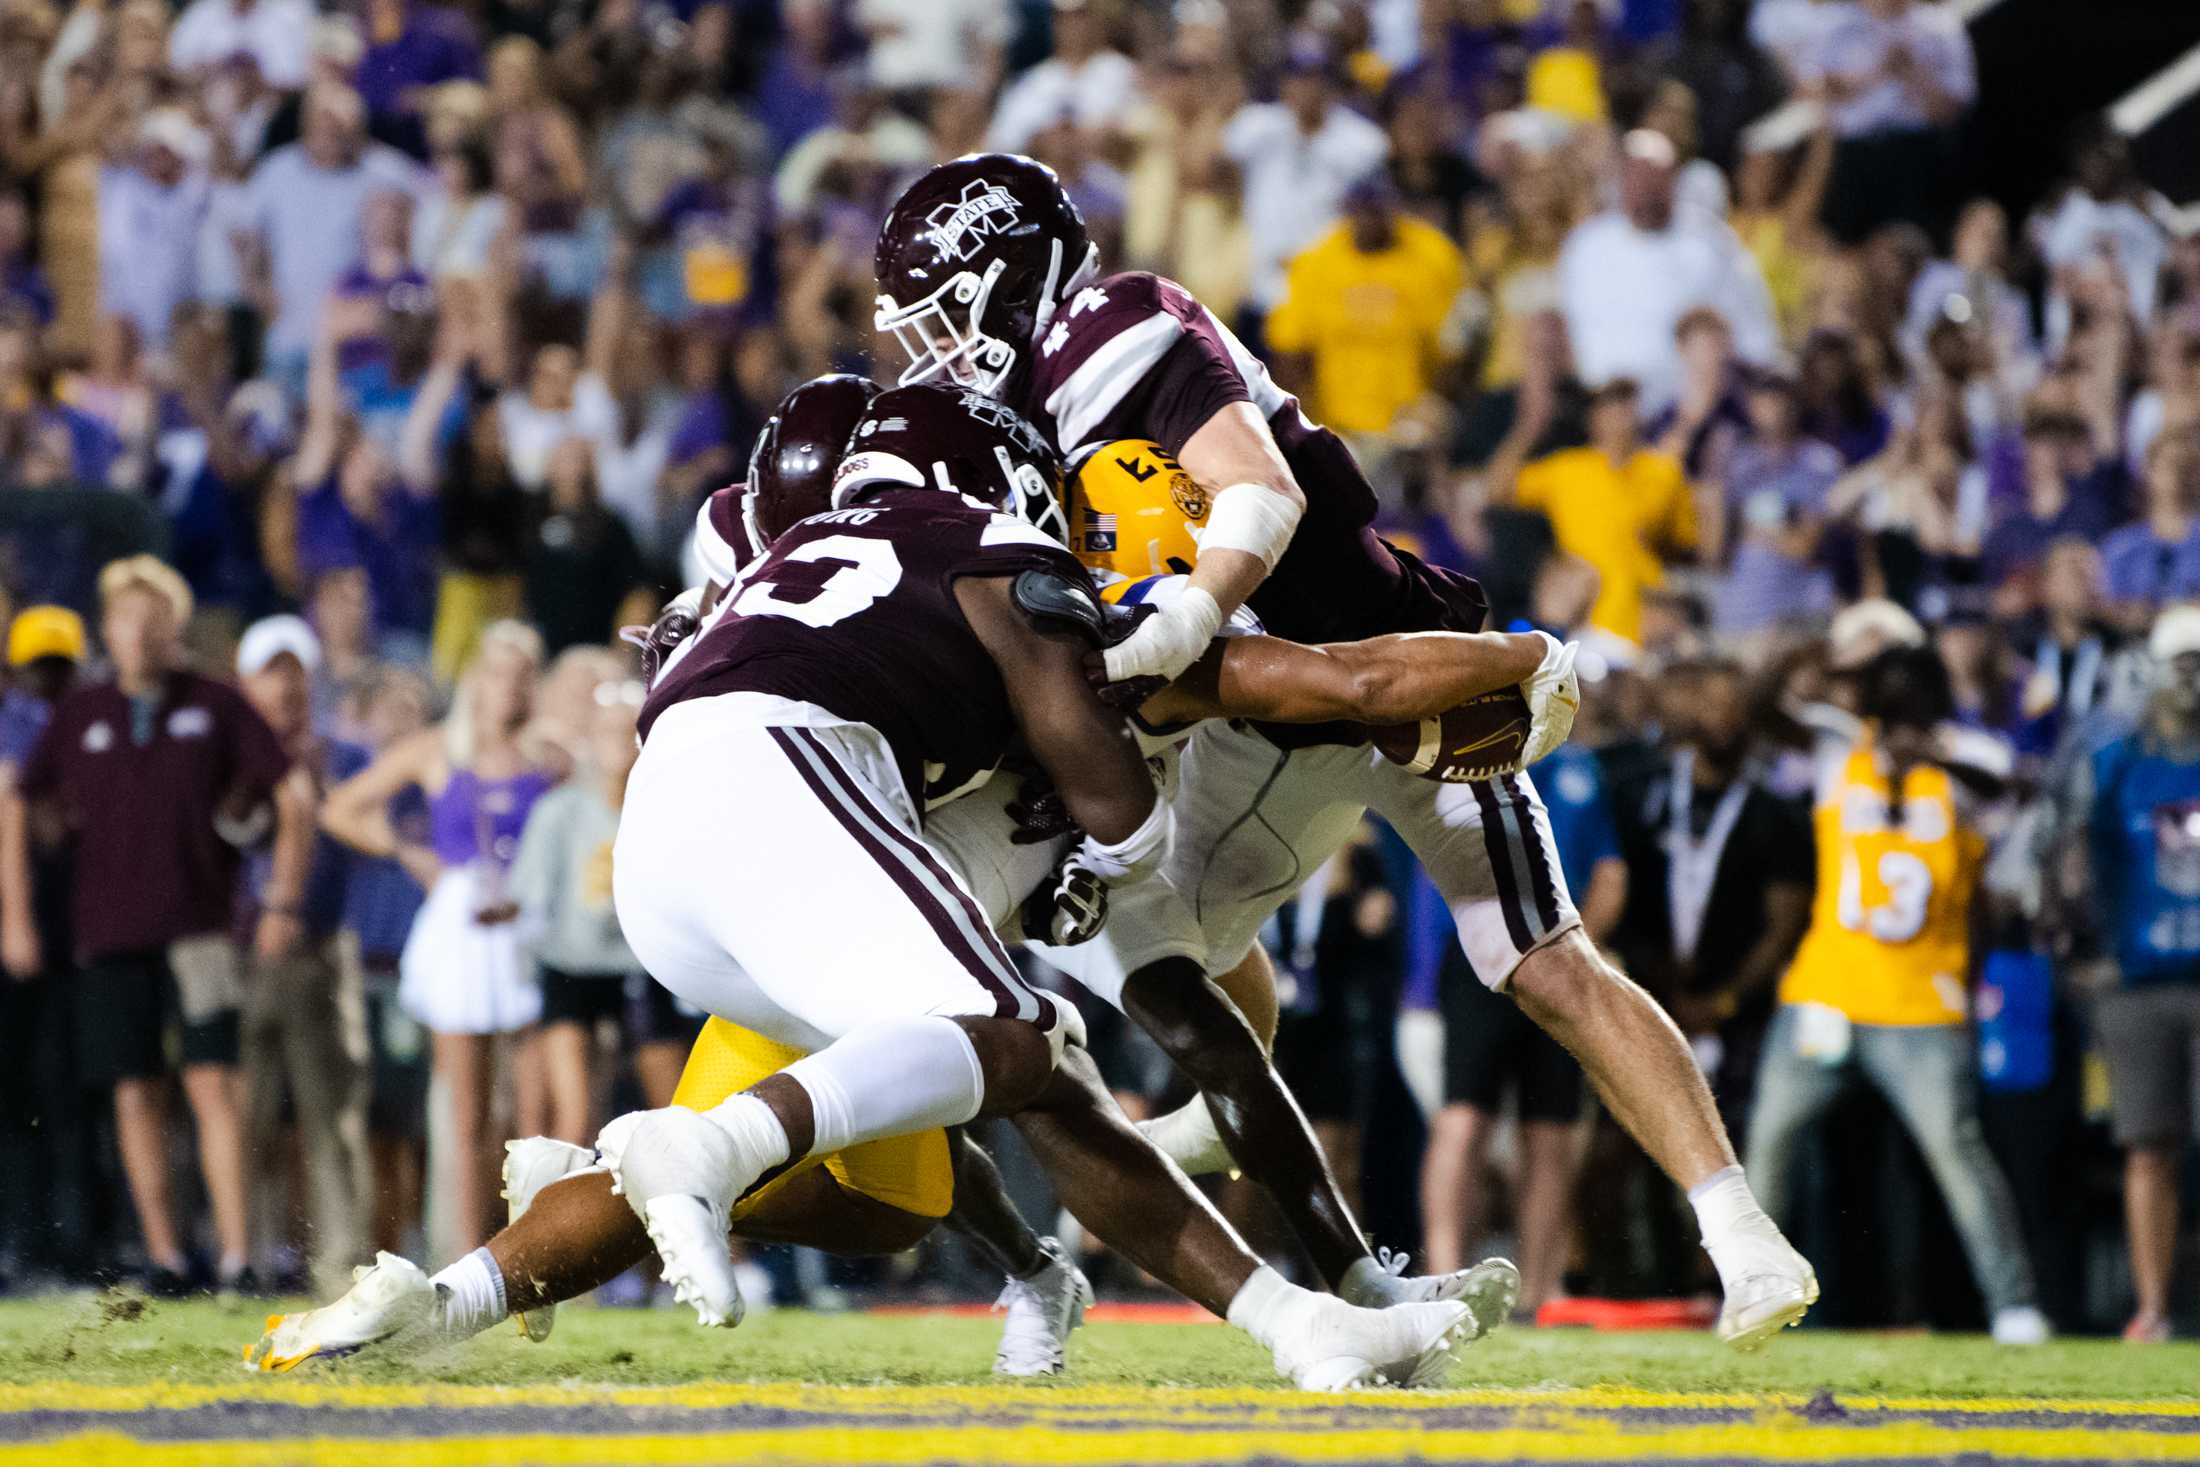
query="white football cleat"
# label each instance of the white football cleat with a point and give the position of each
(388, 1300)
(1489, 1289)
(681, 1173)
(1042, 1311)
(1769, 1285)
(531, 1164)
(1335, 1346)
(2021, 1325)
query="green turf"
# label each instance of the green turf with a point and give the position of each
(89, 1341)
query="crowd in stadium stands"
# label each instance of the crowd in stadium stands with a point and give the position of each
(380, 354)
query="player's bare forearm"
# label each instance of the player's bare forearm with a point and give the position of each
(1392, 679)
(1082, 744)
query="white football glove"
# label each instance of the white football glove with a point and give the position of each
(1167, 642)
(1069, 906)
(1553, 692)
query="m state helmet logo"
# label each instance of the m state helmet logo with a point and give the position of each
(984, 209)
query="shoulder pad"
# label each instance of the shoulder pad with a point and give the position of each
(1057, 601)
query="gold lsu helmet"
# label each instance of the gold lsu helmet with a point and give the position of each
(1133, 510)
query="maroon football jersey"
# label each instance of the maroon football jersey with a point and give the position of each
(1135, 356)
(855, 612)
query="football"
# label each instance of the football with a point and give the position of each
(1480, 739)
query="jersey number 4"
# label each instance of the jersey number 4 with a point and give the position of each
(1909, 884)
(823, 582)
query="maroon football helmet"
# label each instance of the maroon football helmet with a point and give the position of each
(953, 439)
(972, 261)
(791, 468)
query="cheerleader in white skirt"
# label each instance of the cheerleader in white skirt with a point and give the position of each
(463, 974)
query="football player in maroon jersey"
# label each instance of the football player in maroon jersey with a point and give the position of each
(769, 869)
(986, 277)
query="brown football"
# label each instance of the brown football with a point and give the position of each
(1480, 739)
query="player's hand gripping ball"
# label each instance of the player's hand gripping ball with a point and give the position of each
(1494, 733)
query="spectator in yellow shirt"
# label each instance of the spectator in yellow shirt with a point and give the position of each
(1369, 311)
(1622, 507)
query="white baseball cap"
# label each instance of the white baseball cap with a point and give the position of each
(1869, 627)
(2176, 632)
(270, 637)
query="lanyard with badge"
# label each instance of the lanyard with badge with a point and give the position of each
(1692, 860)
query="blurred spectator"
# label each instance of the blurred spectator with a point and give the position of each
(44, 1187)
(561, 880)
(339, 607)
(2135, 800)
(1492, 1049)
(1897, 77)
(152, 208)
(274, 33)
(793, 96)
(1619, 505)
(412, 47)
(1920, 505)
(463, 977)
(2107, 218)
(2157, 559)
(1182, 214)
(1720, 880)
(1879, 991)
(2069, 645)
(2067, 492)
(582, 573)
(920, 46)
(163, 775)
(1779, 186)
(1773, 505)
(1972, 289)
(455, 226)
(306, 202)
(1297, 156)
(1838, 405)
(1369, 316)
(1627, 277)
(380, 901)
(304, 1032)
(1733, 82)
(22, 284)
(1083, 78)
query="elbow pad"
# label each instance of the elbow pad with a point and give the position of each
(1055, 602)
(1253, 518)
(1136, 855)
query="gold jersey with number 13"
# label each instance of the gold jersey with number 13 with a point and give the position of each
(1889, 939)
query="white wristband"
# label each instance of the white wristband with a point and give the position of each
(1253, 518)
(1135, 854)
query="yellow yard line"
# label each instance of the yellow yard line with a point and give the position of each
(1175, 1402)
(1774, 1440)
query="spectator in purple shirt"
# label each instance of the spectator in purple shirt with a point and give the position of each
(412, 47)
(2066, 494)
(2158, 559)
(1775, 494)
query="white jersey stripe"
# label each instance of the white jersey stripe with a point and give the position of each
(1102, 380)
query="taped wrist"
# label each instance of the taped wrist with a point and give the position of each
(1253, 518)
(1136, 854)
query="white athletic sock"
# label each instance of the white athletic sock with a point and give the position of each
(1370, 1285)
(890, 1079)
(1187, 1136)
(470, 1295)
(753, 1127)
(1265, 1304)
(1725, 1205)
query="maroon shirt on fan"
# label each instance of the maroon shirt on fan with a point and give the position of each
(855, 612)
(150, 867)
(1135, 356)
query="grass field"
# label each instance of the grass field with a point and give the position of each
(93, 1381)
